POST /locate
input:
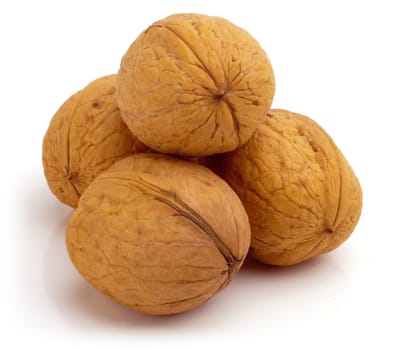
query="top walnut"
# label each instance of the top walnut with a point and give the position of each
(194, 85)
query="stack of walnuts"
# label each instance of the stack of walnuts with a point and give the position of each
(177, 167)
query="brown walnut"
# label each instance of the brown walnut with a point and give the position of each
(194, 85)
(86, 136)
(301, 195)
(158, 234)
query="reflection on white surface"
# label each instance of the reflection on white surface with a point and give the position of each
(324, 293)
(317, 285)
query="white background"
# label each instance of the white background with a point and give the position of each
(335, 61)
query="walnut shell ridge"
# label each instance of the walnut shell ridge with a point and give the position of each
(158, 234)
(86, 136)
(194, 85)
(301, 195)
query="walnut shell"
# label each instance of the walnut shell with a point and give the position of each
(86, 136)
(301, 195)
(194, 85)
(158, 234)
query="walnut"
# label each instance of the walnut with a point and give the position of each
(158, 234)
(85, 137)
(301, 195)
(194, 85)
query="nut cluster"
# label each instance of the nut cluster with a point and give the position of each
(177, 168)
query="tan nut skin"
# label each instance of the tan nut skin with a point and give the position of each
(157, 234)
(301, 195)
(86, 136)
(194, 85)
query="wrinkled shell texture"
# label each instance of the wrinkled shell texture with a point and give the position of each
(85, 137)
(194, 85)
(157, 234)
(301, 195)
